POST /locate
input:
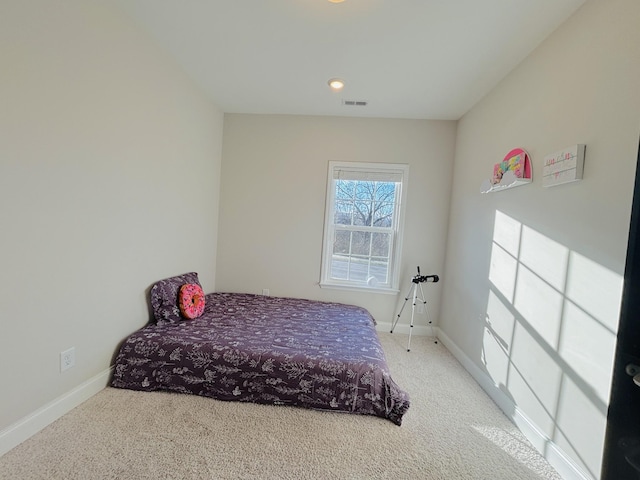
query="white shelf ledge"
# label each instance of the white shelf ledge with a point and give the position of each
(509, 180)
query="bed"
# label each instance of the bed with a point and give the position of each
(254, 348)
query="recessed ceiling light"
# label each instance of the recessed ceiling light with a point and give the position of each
(336, 1)
(336, 84)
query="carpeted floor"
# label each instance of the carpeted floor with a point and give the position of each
(452, 431)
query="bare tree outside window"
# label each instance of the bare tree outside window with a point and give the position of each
(364, 214)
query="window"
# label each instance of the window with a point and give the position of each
(363, 225)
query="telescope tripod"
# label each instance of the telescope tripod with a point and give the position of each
(416, 283)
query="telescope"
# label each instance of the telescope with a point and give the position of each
(424, 278)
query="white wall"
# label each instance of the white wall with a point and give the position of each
(109, 181)
(534, 275)
(274, 172)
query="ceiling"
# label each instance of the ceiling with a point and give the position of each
(426, 59)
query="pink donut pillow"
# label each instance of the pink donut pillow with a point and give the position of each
(191, 300)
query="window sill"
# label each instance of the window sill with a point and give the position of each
(356, 288)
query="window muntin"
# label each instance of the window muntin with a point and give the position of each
(363, 225)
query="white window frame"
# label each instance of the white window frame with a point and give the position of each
(383, 171)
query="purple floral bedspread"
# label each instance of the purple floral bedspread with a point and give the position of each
(271, 350)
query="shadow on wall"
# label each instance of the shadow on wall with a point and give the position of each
(549, 336)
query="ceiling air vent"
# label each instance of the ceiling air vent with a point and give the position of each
(354, 103)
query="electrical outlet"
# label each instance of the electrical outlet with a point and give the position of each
(265, 292)
(67, 359)
(420, 308)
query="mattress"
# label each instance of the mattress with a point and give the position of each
(270, 350)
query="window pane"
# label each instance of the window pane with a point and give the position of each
(380, 245)
(365, 190)
(361, 243)
(362, 214)
(383, 215)
(358, 269)
(343, 213)
(342, 242)
(386, 192)
(379, 270)
(339, 267)
(345, 189)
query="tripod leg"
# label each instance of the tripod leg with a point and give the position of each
(413, 311)
(395, 321)
(424, 302)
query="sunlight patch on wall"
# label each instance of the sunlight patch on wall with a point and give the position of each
(496, 343)
(581, 430)
(534, 379)
(502, 272)
(595, 289)
(550, 334)
(506, 233)
(545, 257)
(540, 304)
(588, 346)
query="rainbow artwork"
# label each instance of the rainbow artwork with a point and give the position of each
(512, 171)
(515, 161)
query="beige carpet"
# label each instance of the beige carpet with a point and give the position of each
(452, 431)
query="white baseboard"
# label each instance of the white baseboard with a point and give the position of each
(24, 428)
(563, 464)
